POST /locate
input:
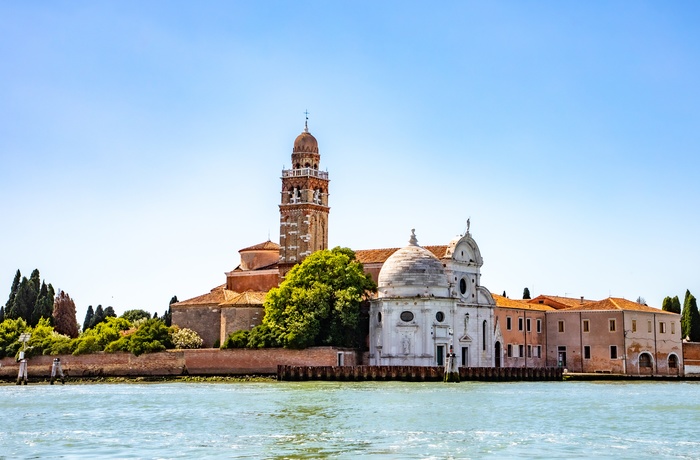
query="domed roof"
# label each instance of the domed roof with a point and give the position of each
(412, 271)
(305, 143)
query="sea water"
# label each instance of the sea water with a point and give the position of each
(352, 420)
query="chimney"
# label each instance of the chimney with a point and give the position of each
(581, 300)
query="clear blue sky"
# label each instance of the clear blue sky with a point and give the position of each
(141, 143)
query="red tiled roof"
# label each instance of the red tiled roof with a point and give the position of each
(213, 297)
(560, 302)
(373, 256)
(266, 246)
(505, 302)
(616, 303)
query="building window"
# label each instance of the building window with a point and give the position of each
(483, 333)
(611, 322)
(520, 324)
(462, 286)
(527, 325)
(379, 317)
(613, 351)
(529, 351)
(662, 327)
(561, 326)
(406, 316)
(521, 351)
(673, 327)
(538, 350)
(645, 360)
(586, 352)
(510, 350)
(465, 356)
(586, 325)
(634, 325)
(539, 326)
(509, 323)
(440, 316)
(649, 326)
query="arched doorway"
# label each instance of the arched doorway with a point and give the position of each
(645, 363)
(673, 364)
(497, 354)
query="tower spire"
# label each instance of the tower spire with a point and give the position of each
(306, 123)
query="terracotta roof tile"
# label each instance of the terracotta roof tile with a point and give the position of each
(266, 246)
(559, 302)
(215, 296)
(616, 303)
(505, 302)
(373, 256)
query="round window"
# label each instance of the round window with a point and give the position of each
(406, 316)
(440, 316)
(379, 317)
(462, 286)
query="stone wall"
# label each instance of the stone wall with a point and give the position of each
(205, 320)
(207, 361)
(691, 358)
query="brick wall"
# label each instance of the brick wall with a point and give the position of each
(208, 361)
(239, 318)
(204, 319)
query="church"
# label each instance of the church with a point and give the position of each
(429, 299)
(430, 302)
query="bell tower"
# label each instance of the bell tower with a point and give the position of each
(304, 204)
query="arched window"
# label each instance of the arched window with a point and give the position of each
(672, 362)
(645, 360)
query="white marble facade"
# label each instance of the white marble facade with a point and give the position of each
(425, 304)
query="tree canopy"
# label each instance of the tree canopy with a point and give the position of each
(690, 318)
(526, 294)
(64, 315)
(672, 305)
(318, 303)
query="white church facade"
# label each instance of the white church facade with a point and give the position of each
(427, 306)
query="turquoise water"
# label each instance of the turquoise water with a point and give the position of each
(352, 420)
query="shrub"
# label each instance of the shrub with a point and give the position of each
(263, 336)
(238, 339)
(152, 336)
(10, 330)
(186, 338)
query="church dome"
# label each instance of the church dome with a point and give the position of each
(412, 271)
(305, 143)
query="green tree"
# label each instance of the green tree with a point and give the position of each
(690, 318)
(504, 294)
(64, 315)
(98, 317)
(88, 318)
(44, 304)
(13, 290)
(100, 336)
(35, 279)
(168, 315)
(152, 336)
(238, 339)
(135, 315)
(2, 313)
(110, 313)
(318, 303)
(10, 330)
(671, 304)
(676, 305)
(526, 294)
(24, 302)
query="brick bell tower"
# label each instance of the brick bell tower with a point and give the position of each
(304, 205)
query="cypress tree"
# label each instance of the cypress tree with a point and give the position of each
(35, 278)
(109, 313)
(504, 294)
(687, 315)
(88, 318)
(2, 313)
(667, 304)
(13, 290)
(44, 305)
(98, 317)
(64, 315)
(526, 294)
(690, 321)
(25, 301)
(676, 305)
(168, 315)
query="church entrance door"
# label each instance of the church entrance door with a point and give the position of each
(498, 354)
(440, 355)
